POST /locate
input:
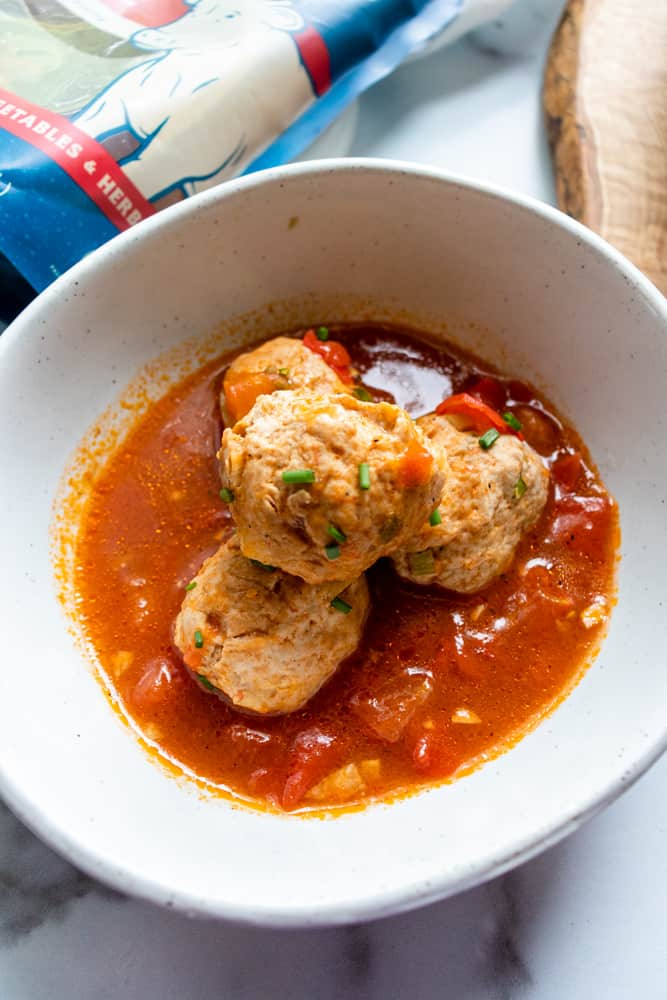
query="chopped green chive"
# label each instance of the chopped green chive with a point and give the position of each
(284, 372)
(364, 476)
(322, 333)
(264, 566)
(336, 533)
(298, 476)
(489, 439)
(191, 585)
(199, 639)
(332, 551)
(519, 488)
(226, 495)
(421, 563)
(510, 419)
(435, 518)
(340, 605)
(363, 394)
(206, 682)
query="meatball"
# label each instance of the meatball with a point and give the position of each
(281, 363)
(265, 640)
(491, 498)
(324, 486)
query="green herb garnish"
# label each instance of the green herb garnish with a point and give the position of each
(435, 518)
(206, 683)
(226, 495)
(284, 372)
(322, 333)
(519, 488)
(336, 533)
(364, 476)
(199, 639)
(340, 605)
(512, 421)
(191, 585)
(363, 394)
(298, 476)
(421, 563)
(332, 551)
(489, 439)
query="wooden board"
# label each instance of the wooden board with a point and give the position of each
(605, 98)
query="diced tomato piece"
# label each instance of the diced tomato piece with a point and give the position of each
(490, 391)
(313, 753)
(260, 781)
(434, 754)
(415, 466)
(473, 414)
(335, 355)
(542, 584)
(566, 470)
(391, 707)
(539, 430)
(161, 679)
(242, 391)
(581, 523)
(250, 743)
(344, 374)
(475, 654)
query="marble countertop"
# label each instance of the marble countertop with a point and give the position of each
(584, 920)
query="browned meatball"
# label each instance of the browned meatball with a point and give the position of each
(266, 640)
(490, 499)
(330, 522)
(281, 363)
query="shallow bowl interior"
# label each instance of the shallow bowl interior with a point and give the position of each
(336, 240)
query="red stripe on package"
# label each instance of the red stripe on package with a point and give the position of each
(315, 57)
(88, 164)
(150, 13)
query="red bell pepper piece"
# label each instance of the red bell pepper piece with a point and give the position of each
(473, 414)
(333, 353)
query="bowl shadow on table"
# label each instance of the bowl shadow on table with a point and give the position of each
(475, 940)
(440, 75)
(518, 37)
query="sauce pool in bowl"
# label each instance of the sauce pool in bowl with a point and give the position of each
(440, 682)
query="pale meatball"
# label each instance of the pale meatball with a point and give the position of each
(490, 499)
(265, 640)
(281, 363)
(324, 486)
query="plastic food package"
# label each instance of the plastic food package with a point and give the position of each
(113, 109)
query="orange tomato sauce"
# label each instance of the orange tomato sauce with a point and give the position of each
(440, 682)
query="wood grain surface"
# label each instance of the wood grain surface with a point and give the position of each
(605, 98)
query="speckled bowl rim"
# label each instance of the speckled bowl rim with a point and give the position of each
(391, 900)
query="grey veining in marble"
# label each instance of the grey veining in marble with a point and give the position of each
(584, 921)
(475, 937)
(36, 885)
(519, 31)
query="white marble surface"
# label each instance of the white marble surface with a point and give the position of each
(585, 920)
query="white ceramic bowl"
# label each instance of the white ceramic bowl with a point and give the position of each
(387, 240)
